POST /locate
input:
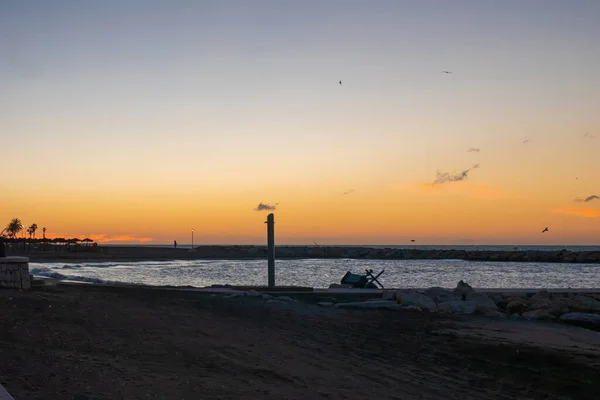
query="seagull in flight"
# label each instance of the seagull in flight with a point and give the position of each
(545, 230)
(447, 72)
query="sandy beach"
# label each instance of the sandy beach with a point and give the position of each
(93, 342)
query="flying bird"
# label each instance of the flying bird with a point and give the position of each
(412, 240)
(340, 82)
(446, 72)
(545, 230)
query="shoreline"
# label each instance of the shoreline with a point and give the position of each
(248, 252)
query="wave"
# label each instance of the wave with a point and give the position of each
(47, 273)
(69, 266)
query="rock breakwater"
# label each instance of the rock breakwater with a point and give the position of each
(322, 252)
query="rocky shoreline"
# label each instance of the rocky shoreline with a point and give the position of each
(566, 307)
(133, 253)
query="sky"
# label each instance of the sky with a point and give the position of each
(136, 121)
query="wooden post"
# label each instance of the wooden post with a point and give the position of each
(271, 248)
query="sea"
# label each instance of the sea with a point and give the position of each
(320, 273)
(470, 247)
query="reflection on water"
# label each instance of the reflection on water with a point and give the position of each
(321, 273)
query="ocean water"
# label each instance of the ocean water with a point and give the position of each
(470, 247)
(320, 273)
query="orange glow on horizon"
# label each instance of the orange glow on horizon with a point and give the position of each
(580, 212)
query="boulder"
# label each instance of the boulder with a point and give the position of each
(540, 315)
(586, 303)
(585, 320)
(412, 308)
(540, 295)
(412, 298)
(286, 298)
(482, 301)
(554, 307)
(385, 304)
(233, 295)
(516, 306)
(458, 306)
(439, 295)
(463, 289)
(494, 314)
(253, 293)
(325, 304)
(389, 295)
(328, 299)
(266, 296)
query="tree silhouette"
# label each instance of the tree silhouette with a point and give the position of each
(32, 230)
(15, 226)
(44, 233)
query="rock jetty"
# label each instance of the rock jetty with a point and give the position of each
(377, 253)
(560, 307)
(321, 252)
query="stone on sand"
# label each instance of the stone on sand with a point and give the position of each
(439, 295)
(412, 298)
(458, 306)
(585, 320)
(541, 315)
(517, 306)
(385, 304)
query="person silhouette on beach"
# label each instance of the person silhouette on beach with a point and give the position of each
(175, 243)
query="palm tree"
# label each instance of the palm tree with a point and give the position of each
(44, 232)
(15, 226)
(32, 229)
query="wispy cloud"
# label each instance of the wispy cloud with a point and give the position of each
(349, 191)
(472, 150)
(444, 177)
(579, 212)
(587, 199)
(588, 136)
(101, 237)
(266, 207)
(105, 238)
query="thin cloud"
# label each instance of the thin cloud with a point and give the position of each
(579, 212)
(587, 199)
(444, 177)
(348, 192)
(266, 207)
(102, 237)
(588, 136)
(473, 150)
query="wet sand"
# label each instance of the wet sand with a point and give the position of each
(89, 342)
